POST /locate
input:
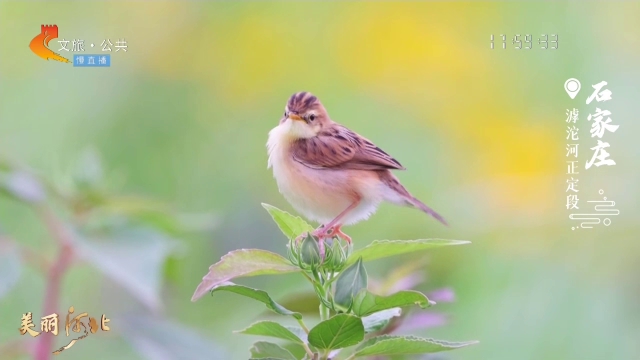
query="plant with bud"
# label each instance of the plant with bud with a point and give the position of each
(352, 318)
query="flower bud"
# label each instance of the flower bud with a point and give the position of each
(336, 257)
(310, 251)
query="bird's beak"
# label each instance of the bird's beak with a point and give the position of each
(295, 117)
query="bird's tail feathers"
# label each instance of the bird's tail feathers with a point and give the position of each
(397, 194)
(420, 205)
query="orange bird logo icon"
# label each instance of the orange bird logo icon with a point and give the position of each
(39, 44)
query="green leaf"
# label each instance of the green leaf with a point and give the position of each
(256, 294)
(379, 249)
(273, 329)
(366, 303)
(379, 320)
(296, 349)
(242, 263)
(265, 350)
(10, 267)
(301, 334)
(350, 282)
(291, 226)
(337, 332)
(155, 338)
(401, 345)
(134, 259)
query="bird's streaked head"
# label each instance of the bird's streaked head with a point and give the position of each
(304, 115)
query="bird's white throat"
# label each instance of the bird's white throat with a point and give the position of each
(281, 136)
(277, 144)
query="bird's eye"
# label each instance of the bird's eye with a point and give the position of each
(312, 117)
(285, 114)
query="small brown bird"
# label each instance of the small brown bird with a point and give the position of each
(329, 173)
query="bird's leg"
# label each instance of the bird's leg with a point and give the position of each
(321, 248)
(301, 237)
(304, 235)
(322, 233)
(331, 229)
(338, 232)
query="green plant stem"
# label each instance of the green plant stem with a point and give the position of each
(325, 354)
(308, 277)
(308, 350)
(332, 279)
(303, 326)
(324, 310)
(329, 287)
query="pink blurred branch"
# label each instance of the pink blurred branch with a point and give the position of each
(44, 346)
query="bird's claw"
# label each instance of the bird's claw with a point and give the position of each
(322, 233)
(301, 237)
(337, 232)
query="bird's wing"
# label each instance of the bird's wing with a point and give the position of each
(341, 148)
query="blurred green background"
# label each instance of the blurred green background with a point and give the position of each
(182, 117)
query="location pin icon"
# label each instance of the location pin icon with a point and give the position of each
(572, 86)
